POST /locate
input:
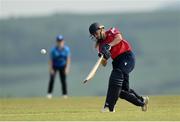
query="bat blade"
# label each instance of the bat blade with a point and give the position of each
(93, 70)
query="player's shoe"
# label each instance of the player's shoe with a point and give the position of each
(106, 109)
(65, 96)
(146, 101)
(49, 96)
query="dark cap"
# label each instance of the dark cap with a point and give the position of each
(94, 27)
(59, 38)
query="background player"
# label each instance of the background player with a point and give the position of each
(59, 61)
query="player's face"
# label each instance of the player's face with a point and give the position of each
(60, 44)
(100, 34)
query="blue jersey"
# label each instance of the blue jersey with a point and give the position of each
(59, 56)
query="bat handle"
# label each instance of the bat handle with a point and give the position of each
(85, 81)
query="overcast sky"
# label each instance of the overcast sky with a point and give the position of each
(9, 8)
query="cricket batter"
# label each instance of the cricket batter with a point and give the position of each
(59, 62)
(110, 43)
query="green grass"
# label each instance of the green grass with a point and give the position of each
(87, 108)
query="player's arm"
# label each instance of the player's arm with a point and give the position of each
(68, 65)
(107, 47)
(50, 63)
(68, 62)
(117, 39)
(103, 61)
(51, 70)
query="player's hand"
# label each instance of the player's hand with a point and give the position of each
(104, 62)
(52, 71)
(66, 70)
(106, 51)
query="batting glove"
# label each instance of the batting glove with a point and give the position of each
(106, 51)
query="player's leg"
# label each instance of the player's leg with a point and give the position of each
(131, 98)
(126, 87)
(51, 84)
(62, 75)
(138, 96)
(114, 89)
(127, 95)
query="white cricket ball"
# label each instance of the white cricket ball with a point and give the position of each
(43, 51)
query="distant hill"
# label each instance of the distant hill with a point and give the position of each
(24, 37)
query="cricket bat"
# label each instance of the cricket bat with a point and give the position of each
(93, 70)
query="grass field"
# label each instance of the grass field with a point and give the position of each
(87, 108)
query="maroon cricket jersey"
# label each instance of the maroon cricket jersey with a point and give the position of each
(118, 49)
